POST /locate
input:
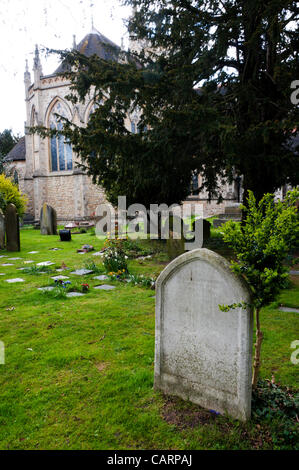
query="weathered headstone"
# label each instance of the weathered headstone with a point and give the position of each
(2, 231)
(48, 220)
(173, 230)
(206, 227)
(201, 353)
(12, 228)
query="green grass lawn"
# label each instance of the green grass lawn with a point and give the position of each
(79, 371)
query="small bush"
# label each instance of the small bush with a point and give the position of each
(115, 258)
(278, 406)
(9, 193)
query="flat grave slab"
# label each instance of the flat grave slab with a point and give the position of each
(14, 259)
(3, 256)
(32, 252)
(98, 253)
(82, 272)
(289, 309)
(45, 263)
(7, 264)
(28, 261)
(102, 277)
(74, 294)
(12, 281)
(43, 289)
(59, 278)
(105, 287)
(2, 274)
(294, 272)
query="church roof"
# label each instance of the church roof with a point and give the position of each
(18, 152)
(94, 43)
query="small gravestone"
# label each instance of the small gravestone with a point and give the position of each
(48, 220)
(65, 235)
(45, 263)
(201, 353)
(12, 228)
(74, 294)
(102, 277)
(82, 272)
(2, 231)
(173, 231)
(59, 278)
(105, 287)
(206, 228)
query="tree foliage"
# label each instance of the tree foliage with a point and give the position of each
(7, 142)
(213, 92)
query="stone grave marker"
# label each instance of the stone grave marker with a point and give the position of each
(173, 230)
(45, 263)
(74, 294)
(59, 278)
(48, 220)
(206, 228)
(102, 277)
(12, 228)
(105, 287)
(201, 353)
(82, 272)
(2, 231)
(45, 289)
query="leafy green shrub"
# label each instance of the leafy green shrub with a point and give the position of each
(262, 245)
(9, 193)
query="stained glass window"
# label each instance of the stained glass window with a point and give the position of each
(61, 150)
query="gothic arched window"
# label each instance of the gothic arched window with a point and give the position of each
(60, 150)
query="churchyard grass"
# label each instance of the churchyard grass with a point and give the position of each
(78, 372)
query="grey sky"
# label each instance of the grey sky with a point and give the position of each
(50, 23)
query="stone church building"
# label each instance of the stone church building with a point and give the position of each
(46, 168)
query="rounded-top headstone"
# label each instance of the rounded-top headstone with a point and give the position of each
(203, 354)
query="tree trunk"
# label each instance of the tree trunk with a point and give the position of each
(258, 346)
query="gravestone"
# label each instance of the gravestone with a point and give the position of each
(48, 220)
(65, 235)
(12, 228)
(206, 227)
(201, 353)
(2, 231)
(174, 231)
